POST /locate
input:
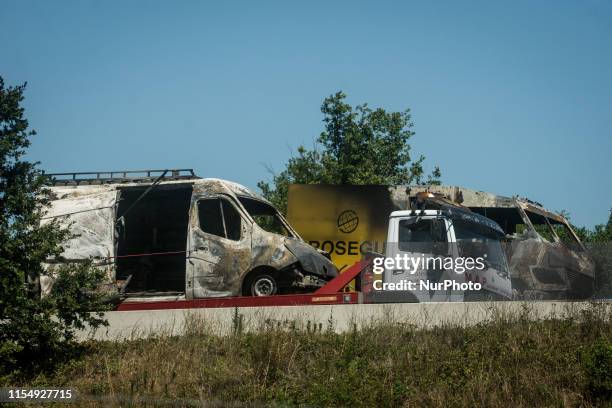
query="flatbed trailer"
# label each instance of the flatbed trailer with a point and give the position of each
(329, 294)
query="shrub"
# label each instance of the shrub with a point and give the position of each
(597, 361)
(35, 332)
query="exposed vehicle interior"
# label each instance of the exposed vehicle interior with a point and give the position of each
(507, 218)
(265, 216)
(151, 228)
(548, 228)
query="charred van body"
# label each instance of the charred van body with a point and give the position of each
(170, 233)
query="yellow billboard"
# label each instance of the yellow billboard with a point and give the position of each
(345, 221)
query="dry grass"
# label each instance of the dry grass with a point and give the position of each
(509, 360)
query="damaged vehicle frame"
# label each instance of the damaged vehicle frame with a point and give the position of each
(546, 258)
(171, 233)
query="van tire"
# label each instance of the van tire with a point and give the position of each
(262, 284)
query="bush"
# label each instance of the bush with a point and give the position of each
(40, 333)
(597, 361)
(507, 361)
(35, 333)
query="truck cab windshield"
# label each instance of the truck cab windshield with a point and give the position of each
(266, 216)
(477, 240)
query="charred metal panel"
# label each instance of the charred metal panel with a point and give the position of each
(270, 250)
(218, 186)
(311, 261)
(548, 270)
(215, 265)
(460, 195)
(215, 268)
(89, 214)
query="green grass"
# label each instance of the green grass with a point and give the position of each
(509, 360)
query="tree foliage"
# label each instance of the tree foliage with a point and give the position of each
(34, 331)
(359, 145)
(601, 233)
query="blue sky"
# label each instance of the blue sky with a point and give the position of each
(507, 97)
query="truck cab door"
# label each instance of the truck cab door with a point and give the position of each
(422, 239)
(218, 247)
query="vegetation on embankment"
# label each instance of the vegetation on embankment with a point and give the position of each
(506, 361)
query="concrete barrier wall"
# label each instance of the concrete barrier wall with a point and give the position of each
(222, 321)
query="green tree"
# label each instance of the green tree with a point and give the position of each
(34, 331)
(358, 146)
(598, 242)
(600, 234)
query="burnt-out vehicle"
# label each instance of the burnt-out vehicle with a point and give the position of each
(457, 248)
(546, 258)
(169, 232)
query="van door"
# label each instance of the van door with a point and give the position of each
(90, 218)
(218, 247)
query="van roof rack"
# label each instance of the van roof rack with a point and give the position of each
(123, 176)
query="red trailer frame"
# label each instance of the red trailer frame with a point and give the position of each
(330, 294)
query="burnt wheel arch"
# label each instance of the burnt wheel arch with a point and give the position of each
(256, 272)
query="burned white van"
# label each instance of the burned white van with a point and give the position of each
(169, 232)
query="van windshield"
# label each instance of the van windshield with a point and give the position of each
(477, 240)
(550, 229)
(266, 216)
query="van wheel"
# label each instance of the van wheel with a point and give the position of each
(263, 285)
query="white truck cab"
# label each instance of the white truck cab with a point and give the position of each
(449, 254)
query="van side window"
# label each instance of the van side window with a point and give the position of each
(232, 220)
(219, 217)
(209, 212)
